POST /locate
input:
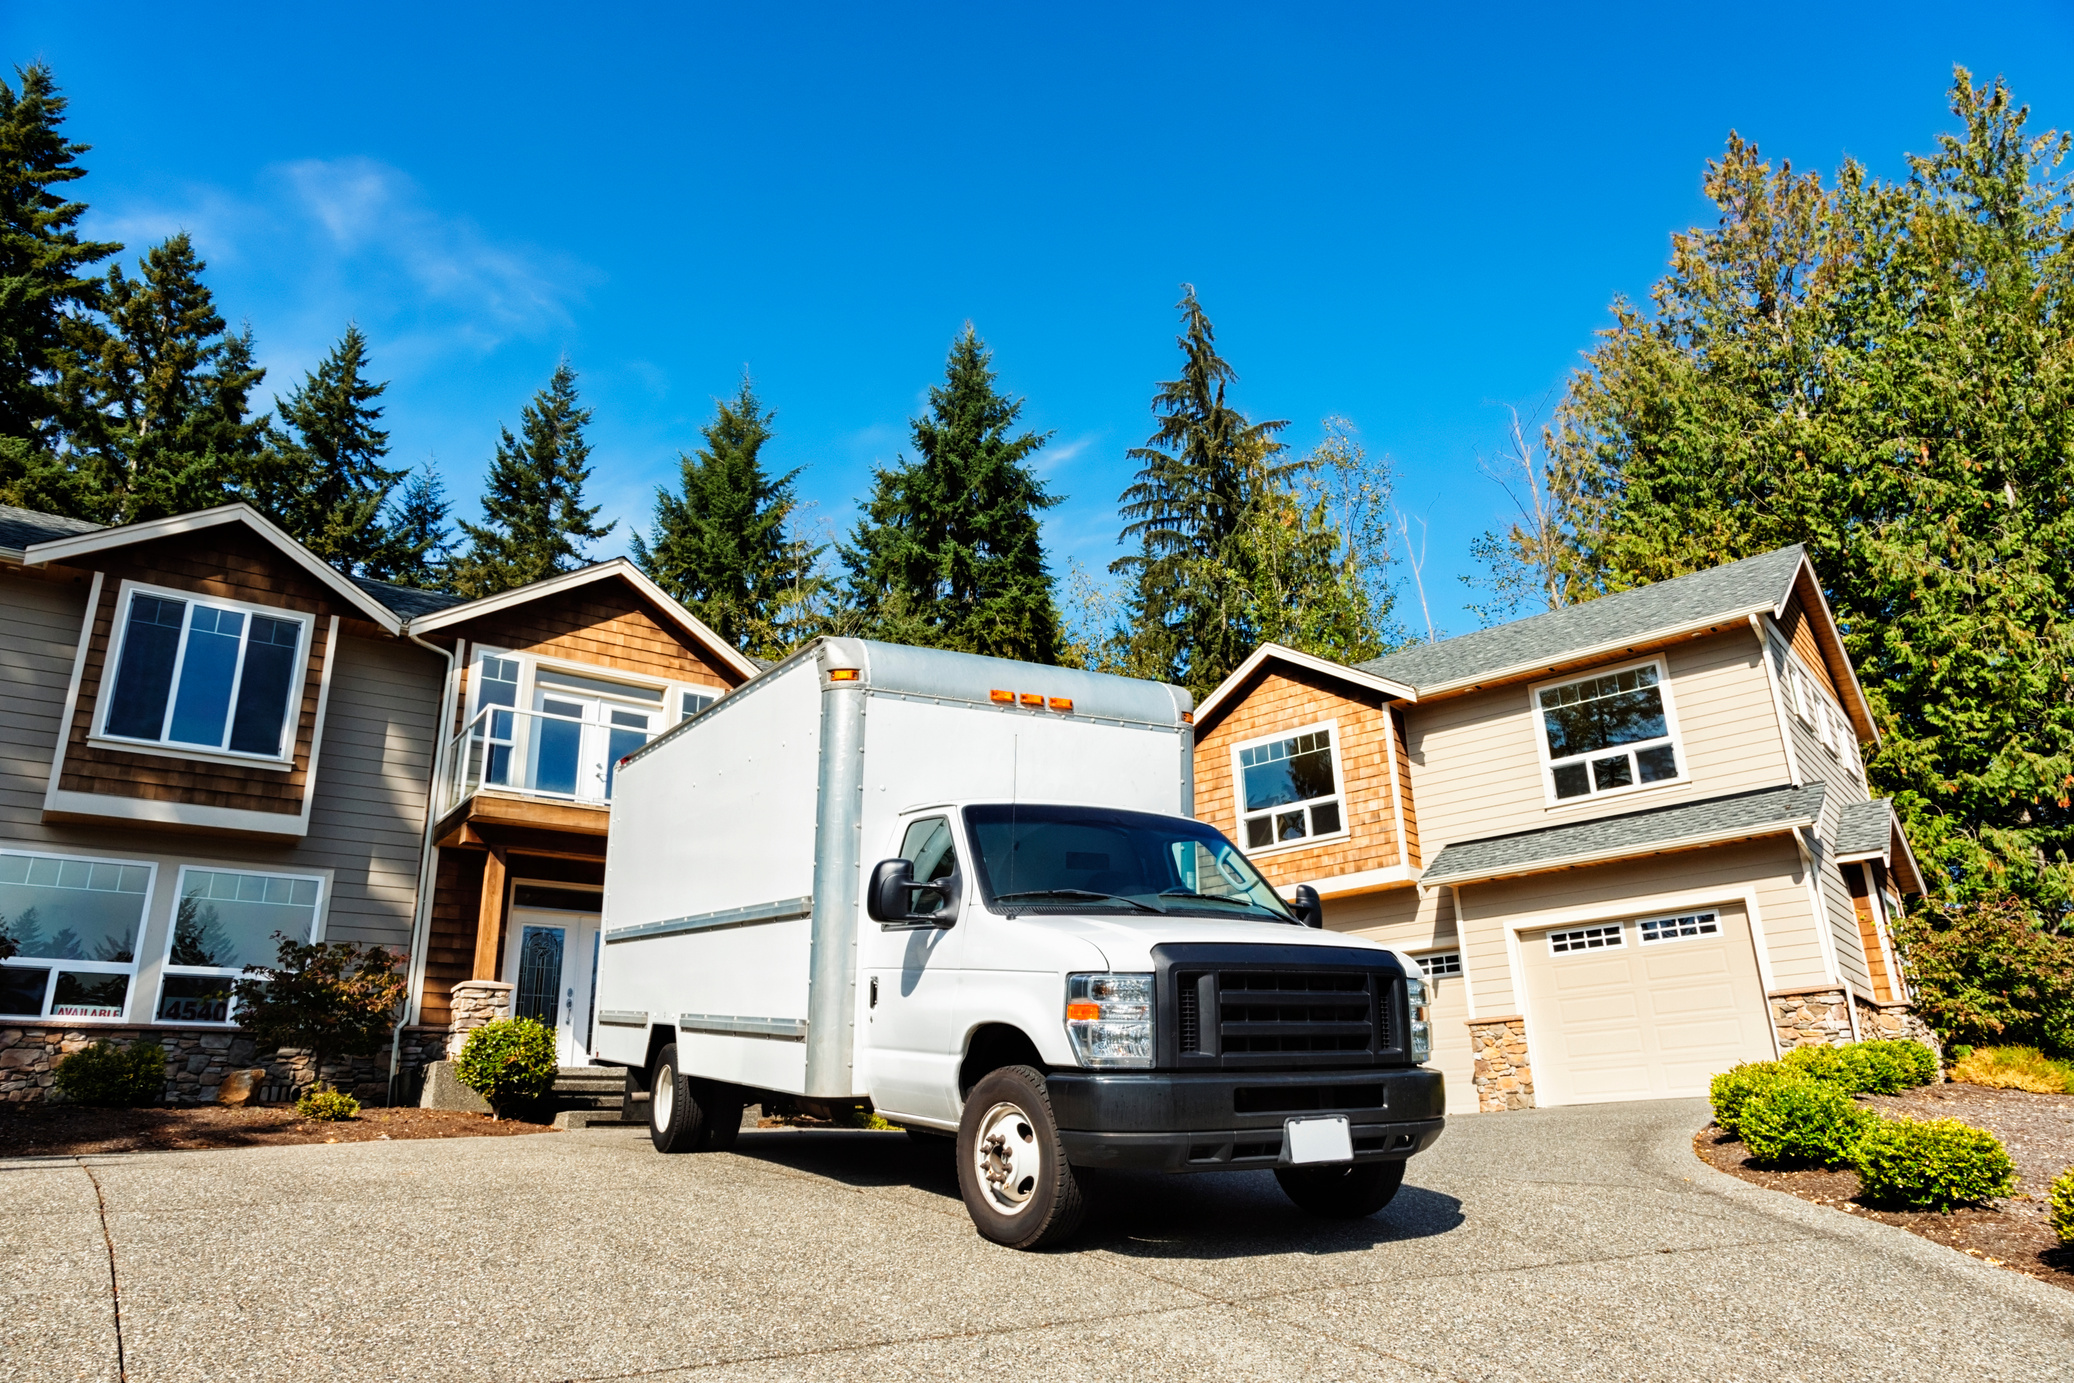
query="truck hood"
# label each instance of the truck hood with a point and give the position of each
(1126, 942)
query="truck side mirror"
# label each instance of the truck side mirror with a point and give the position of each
(891, 892)
(1308, 907)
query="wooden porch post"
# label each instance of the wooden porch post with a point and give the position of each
(489, 920)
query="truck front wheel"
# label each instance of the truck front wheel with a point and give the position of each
(686, 1115)
(1012, 1168)
(1348, 1191)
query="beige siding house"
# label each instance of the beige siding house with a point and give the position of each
(1647, 848)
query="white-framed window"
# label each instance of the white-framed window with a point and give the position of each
(1608, 733)
(696, 701)
(224, 921)
(1438, 963)
(196, 672)
(1610, 937)
(76, 922)
(1805, 699)
(1289, 787)
(1685, 926)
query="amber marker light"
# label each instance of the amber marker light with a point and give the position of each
(842, 674)
(1001, 698)
(1188, 717)
(1033, 701)
(1083, 1013)
(1062, 703)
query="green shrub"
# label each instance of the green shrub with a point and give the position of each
(1918, 1059)
(2016, 1068)
(509, 1062)
(1881, 1068)
(1828, 1065)
(1990, 973)
(2059, 1200)
(1931, 1164)
(1956, 1052)
(1737, 1086)
(1803, 1121)
(112, 1077)
(321, 1101)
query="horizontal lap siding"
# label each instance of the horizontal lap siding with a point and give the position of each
(1475, 760)
(1397, 917)
(1282, 698)
(40, 615)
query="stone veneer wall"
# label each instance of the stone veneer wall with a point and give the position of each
(476, 1002)
(1504, 1074)
(197, 1060)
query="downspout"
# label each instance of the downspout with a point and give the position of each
(421, 920)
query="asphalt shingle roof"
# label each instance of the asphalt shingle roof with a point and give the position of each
(407, 601)
(21, 527)
(1865, 828)
(1679, 602)
(1632, 833)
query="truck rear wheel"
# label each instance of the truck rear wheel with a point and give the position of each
(1012, 1168)
(1349, 1191)
(676, 1117)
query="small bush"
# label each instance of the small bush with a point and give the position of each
(1888, 1068)
(1828, 1065)
(112, 1077)
(2016, 1068)
(1919, 1060)
(321, 1101)
(1803, 1121)
(2059, 1201)
(1931, 1164)
(1737, 1086)
(509, 1062)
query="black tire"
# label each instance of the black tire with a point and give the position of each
(720, 1116)
(674, 1114)
(1019, 1188)
(1345, 1191)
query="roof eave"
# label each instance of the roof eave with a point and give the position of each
(1861, 707)
(1296, 658)
(1542, 666)
(1625, 852)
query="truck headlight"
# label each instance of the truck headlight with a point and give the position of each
(1415, 996)
(1109, 1019)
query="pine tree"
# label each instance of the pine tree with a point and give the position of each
(721, 545)
(948, 553)
(418, 534)
(327, 485)
(1204, 473)
(174, 431)
(48, 338)
(534, 519)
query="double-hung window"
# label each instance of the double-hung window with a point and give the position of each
(1289, 788)
(1609, 733)
(75, 923)
(226, 920)
(198, 673)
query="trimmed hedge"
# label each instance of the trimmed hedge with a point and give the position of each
(1803, 1121)
(1932, 1164)
(509, 1062)
(114, 1077)
(1734, 1088)
(1883, 1068)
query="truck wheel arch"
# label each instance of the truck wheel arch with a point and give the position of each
(992, 1046)
(659, 1036)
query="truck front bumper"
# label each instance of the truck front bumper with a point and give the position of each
(1228, 1121)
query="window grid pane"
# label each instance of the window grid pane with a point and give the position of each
(1657, 929)
(1438, 963)
(1608, 938)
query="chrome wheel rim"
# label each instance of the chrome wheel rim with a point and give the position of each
(662, 1100)
(1007, 1159)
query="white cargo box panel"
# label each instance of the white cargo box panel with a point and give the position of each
(733, 880)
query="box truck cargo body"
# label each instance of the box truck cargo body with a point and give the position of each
(968, 894)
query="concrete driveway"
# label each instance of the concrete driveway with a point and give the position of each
(1556, 1244)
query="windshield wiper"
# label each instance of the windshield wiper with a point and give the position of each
(1246, 903)
(1080, 893)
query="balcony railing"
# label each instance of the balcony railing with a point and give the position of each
(534, 754)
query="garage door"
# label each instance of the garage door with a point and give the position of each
(1643, 1008)
(1451, 1050)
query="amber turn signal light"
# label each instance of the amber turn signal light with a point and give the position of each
(1083, 1013)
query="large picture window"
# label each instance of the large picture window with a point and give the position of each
(204, 674)
(75, 923)
(1289, 788)
(1609, 733)
(225, 921)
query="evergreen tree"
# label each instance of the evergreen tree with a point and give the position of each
(418, 547)
(174, 431)
(948, 553)
(721, 545)
(327, 485)
(534, 519)
(48, 338)
(1880, 371)
(1204, 474)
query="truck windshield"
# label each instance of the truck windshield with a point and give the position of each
(1042, 858)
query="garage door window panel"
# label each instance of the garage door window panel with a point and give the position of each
(1609, 733)
(1581, 939)
(1290, 788)
(1656, 931)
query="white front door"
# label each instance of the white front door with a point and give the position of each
(579, 740)
(551, 962)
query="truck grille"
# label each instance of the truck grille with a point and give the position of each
(1276, 1016)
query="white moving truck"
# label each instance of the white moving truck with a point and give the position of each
(967, 893)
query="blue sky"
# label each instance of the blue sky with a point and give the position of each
(1407, 217)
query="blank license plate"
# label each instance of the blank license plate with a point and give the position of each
(1319, 1140)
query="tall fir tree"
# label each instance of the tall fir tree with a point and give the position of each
(948, 553)
(1882, 372)
(535, 522)
(326, 483)
(174, 430)
(721, 544)
(1205, 474)
(49, 337)
(419, 535)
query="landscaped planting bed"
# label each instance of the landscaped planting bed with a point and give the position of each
(2036, 1130)
(44, 1130)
